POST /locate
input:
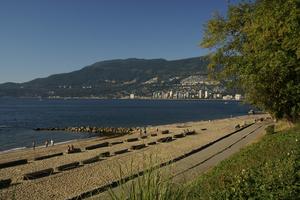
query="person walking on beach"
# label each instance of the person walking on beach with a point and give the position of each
(51, 142)
(33, 145)
(46, 143)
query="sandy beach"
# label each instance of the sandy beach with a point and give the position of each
(67, 184)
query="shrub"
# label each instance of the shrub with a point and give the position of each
(270, 129)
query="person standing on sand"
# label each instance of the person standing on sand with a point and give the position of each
(51, 142)
(33, 145)
(46, 143)
(141, 134)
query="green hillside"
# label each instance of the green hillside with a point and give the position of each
(110, 78)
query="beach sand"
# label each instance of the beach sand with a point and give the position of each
(70, 183)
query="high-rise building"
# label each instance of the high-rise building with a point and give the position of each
(238, 97)
(200, 94)
(206, 94)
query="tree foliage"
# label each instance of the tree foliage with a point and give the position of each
(258, 45)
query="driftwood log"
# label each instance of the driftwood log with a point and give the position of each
(13, 163)
(48, 156)
(165, 139)
(38, 174)
(165, 132)
(5, 183)
(138, 146)
(152, 143)
(104, 154)
(121, 151)
(132, 139)
(180, 135)
(96, 146)
(91, 160)
(67, 166)
(190, 133)
(75, 150)
(116, 142)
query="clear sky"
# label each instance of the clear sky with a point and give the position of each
(43, 37)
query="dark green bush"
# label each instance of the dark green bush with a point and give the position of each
(270, 129)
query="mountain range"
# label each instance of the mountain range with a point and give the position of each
(112, 79)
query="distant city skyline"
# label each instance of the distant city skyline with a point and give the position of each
(42, 37)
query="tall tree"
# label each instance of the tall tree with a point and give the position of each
(258, 46)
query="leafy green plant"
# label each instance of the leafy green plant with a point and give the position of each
(153, 184)
(258, 47)
(270, 129)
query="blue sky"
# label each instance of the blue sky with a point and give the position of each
(43, 37)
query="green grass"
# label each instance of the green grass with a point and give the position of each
(153, 185)
(268, 169)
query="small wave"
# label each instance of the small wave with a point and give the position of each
(14, 149)
(4, 126)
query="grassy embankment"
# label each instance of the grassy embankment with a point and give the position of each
(268, 169)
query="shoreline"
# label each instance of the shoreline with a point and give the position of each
(99, 98)
(14, 149)
(92, 174)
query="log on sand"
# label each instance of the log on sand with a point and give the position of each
(38, 174)
(121, 151)
(96, 146)
(180, 135)
(48, 156)
(68, 166)
(116, 142)
(138, 146)
(13, 163)
(132, 139)
(152, 143)
(5, 183)
(165, 139)
(91, 160)
(105, 154)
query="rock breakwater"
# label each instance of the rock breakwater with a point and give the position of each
(101, 131)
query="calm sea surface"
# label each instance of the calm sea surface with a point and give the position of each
(18, 117)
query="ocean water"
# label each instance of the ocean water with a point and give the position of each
(18, 117)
